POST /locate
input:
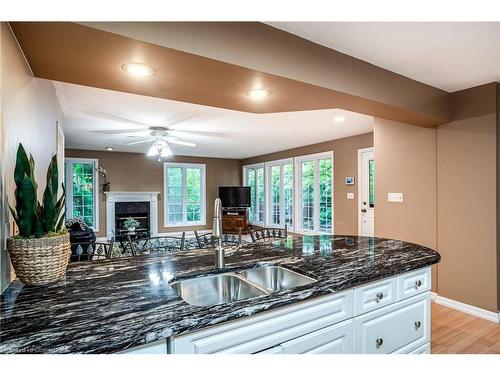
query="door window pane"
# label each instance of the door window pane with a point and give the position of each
(275, 194)
(325, 195)
(371, 179)
(253, 200)
(308, 195)
(260, 195)
(288, 194)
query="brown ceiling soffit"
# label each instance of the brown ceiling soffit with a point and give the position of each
(69, 52)
(475, 101)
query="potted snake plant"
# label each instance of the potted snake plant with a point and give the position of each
(40, 252)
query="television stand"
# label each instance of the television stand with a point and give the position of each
(233, 219)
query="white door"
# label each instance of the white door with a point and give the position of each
(366, 192)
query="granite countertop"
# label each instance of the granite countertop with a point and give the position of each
(110, 305)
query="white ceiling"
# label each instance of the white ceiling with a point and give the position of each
(448, 55)
(88, 112)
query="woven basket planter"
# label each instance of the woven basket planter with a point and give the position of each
(40, 261)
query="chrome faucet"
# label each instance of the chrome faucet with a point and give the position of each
(217, 234)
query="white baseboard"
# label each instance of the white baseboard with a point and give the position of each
(468, 309)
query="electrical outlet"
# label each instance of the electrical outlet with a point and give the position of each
(350, 195)
(395, 197)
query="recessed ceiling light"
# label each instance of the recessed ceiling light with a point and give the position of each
(109, 148)
(258, 94)
(138, 70)
(339, 119)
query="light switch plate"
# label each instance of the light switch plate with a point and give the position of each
(395, 197)
(350, 195)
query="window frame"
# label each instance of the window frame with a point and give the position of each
(268, 181)
(298, 189)
(203, 195)
(245, 183)
(68, 181)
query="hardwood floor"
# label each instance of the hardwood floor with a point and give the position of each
(454, 332)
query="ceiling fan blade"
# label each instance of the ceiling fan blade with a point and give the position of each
(123, 131)
(195, 132)
(119, 119)
(186, 118)
(179, 142)
(137, 142)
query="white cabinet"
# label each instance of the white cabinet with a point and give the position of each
(397, 328)
(375, 295)
(274, 350)
(336, 339)
(415, 282)
(265, 330)
(424, 349)
(391, 315)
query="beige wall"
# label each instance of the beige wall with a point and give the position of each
(449, 179)
(405, 162)
(467, 211)
(30, 110)
(136, 172)
(405, 158)
(345, 163)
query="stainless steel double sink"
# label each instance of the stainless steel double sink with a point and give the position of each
(235, 286)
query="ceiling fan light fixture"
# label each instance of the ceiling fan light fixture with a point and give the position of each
(138, 69)
(161, 149)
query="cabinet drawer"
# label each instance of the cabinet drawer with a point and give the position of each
(268, 329)
(375, 295)
(398, 328)
(415, 282)
(336, 339)
(424, 349)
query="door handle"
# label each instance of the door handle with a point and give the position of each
(363, 210)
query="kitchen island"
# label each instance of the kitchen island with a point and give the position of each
(128, 305)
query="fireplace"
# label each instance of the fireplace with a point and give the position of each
(142, 205)
(136, 210)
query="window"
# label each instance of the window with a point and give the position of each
(315, 192)
(184, 190)
(82, 190)
(253, 176)
(280, 188)
(371, 177)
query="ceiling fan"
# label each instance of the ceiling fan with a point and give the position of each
(160, 139)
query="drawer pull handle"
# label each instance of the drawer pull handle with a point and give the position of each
(418, 324)
(380, 342)
(418, 284)
(380, 295)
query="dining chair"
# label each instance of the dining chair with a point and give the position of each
(157, 244)
(206, 240)
(84, 251)
(267, 234)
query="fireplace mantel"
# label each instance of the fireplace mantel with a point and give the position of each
(131, 196)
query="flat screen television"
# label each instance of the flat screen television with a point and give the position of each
(234, 196)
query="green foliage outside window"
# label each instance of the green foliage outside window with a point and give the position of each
(83, 191)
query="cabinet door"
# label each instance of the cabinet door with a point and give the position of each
(398, 328)
(336, 339)
(239, 222)
(375, 295)
(274, 350)
(227, 223)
